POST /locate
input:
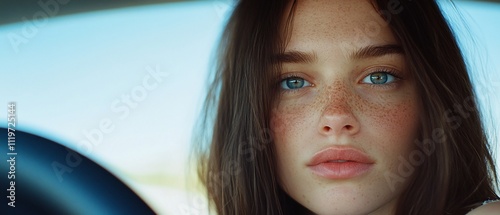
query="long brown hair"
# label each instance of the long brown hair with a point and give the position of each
(237, 158)
(460, 171)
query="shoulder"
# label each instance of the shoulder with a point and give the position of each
(492, 208)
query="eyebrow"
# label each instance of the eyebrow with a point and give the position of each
(365, 52)
(376, 51)
(295, 57)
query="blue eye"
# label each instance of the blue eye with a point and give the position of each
(293, 83)
(379, 78)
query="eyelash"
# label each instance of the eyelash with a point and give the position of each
(383, 86)
(290, 76)
(393, 73)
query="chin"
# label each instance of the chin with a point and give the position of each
(356, 203)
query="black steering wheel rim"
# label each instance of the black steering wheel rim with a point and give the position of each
(53, 179)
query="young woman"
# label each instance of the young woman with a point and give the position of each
(344, 107)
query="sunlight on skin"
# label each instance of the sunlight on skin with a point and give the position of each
(106, 47)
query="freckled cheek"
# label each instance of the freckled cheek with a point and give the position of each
(398, 124)
(397, 118)
(289, 121)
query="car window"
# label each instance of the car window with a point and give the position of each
(124, 86)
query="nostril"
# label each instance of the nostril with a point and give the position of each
(327, 128)
(348, 127)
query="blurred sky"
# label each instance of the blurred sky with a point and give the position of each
(142, 70)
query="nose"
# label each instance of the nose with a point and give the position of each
(337, 118)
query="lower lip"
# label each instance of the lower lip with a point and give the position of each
(341, 170)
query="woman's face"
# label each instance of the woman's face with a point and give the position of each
(348, 112)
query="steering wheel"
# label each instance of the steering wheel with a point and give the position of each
(52, 179)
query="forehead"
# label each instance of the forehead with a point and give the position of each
(328, 24)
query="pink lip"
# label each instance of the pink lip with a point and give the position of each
(340, 163)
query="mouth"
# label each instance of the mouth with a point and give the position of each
(337, 161)
(340, 163)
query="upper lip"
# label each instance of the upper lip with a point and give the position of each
(333, 154)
